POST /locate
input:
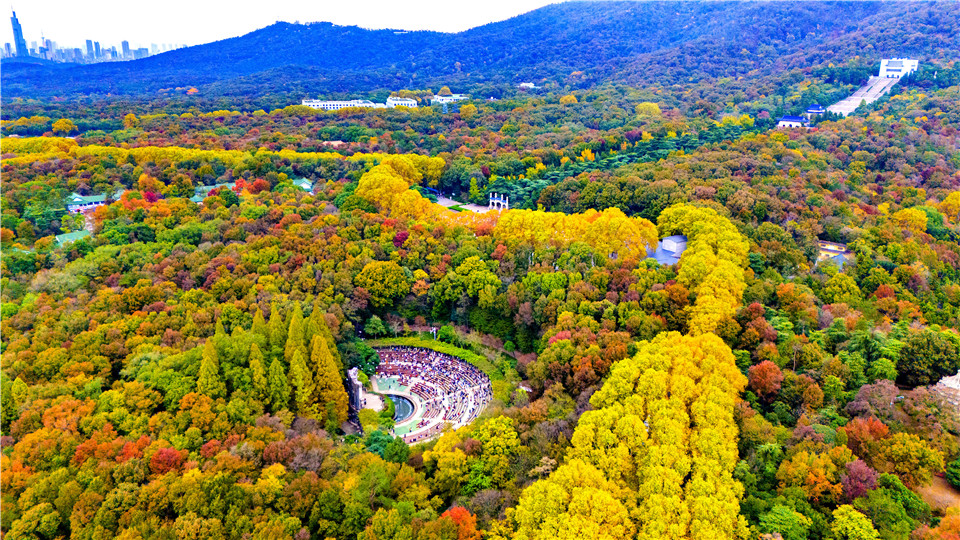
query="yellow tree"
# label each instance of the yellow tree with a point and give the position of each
(468, 112)
(328, 384)
(64, 126)
(131, 121)
(317, 326)
(663, 431)
(910, 219)
(384, 280)
(712, 265)
(295, 339)
(951, 207)
(575, 502)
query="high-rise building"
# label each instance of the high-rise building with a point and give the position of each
(90, 48)
(7, 50)
(18, 40)
(126, 48)
(96, 48)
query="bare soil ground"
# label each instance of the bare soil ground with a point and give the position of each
(940, 494)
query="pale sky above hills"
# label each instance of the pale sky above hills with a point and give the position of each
(191, 22)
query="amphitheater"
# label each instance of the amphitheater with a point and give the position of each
(441, 390)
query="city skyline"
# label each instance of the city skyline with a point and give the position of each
(114, 21)
(92, 52)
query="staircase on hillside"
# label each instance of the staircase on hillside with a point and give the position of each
(870, 92)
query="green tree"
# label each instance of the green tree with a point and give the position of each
(209, 380)
(278, 332)
(842, 288)
(20, 393)
(447, 334)
(303, 387)
(926, 357)
(258, 373)
(9, 409)
(953, 473)
(849, 524)
(791, 524)
(375, 327)
(279, 387)
(476, 197)
(259, 326)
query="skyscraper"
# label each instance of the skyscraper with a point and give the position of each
(18, 40)
(126, 48)
(89, 48)
(96, 48)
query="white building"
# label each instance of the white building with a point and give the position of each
(337, 105)
(792, 121)
(527, 85)
(894, 68)
(394, 102)
(676, 243)
(453, 98)
(78, 203)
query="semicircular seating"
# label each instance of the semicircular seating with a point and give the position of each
(447, 389)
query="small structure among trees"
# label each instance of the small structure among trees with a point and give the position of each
(499, 202)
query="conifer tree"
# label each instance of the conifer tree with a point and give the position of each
(277, 331)
(221, 340)
(258, 373)
(324, 331)
(303, 386)
(20, 392)
(312, 325)
(278, 387)
(329, 385)
(209, 381)
(9, 407)
(259, 326)
(295, 340)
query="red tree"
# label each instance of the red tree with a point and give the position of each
(862, 433)
(765, 379)
(166, 460)
(465, 521)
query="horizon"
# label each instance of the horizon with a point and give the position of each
(114, 22)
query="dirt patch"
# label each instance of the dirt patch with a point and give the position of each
(940, 494)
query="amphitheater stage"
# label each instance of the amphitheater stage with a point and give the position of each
(392, 386)
(445, 391)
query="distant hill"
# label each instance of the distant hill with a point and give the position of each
(574, 43)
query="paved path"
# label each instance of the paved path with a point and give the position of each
(447, 203)
(870, 92)
(371, 401)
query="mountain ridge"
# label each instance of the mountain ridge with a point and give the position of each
(618, 41)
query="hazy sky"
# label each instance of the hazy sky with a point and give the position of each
(190, 22)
